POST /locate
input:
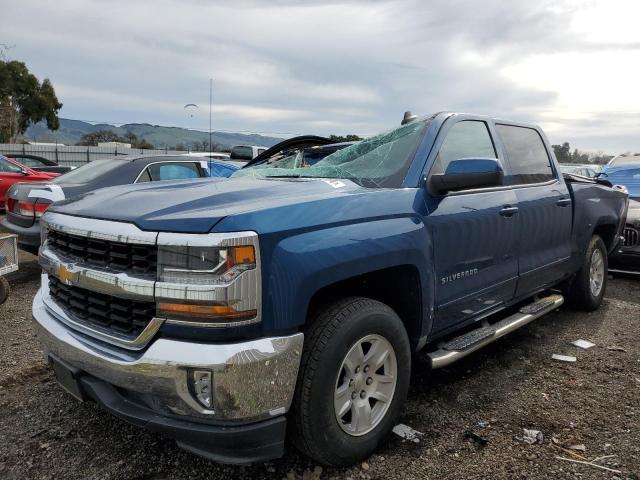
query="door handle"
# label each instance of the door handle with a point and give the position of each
(508, 211)
(564, 202)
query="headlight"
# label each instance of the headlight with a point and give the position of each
(211, 280)
(204, 265)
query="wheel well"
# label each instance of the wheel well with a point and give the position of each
(398, 287)
(608, 234)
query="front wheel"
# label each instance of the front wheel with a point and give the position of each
(353, 381)
(587, 289)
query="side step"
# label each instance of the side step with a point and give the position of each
(463, 345)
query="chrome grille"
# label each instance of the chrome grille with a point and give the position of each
(118, 315)
(631, 237)
(117, 256)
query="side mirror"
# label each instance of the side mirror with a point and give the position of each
(24, 172)
(467, 173)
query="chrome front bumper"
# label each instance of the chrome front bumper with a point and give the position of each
(252, 380)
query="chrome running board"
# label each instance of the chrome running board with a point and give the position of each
(469, 342)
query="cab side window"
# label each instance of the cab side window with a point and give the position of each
(466, 139)
(528, 157)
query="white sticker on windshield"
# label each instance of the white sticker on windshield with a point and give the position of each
(335, 183)
(204, 164)
(54, 193)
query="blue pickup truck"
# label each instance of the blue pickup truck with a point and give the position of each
(289, 301)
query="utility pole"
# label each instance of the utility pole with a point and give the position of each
(210, 112)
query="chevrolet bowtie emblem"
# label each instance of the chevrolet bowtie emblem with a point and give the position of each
(66, 276)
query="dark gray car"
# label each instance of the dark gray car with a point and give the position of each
(26, 202)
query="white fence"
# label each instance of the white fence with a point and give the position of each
(75, 156)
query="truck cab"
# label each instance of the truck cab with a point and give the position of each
(290, 300)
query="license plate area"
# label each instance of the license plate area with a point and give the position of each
(67, 377)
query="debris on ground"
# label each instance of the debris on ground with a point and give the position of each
(476, 438)
(570, 447)
(563, 358)
(616, 348)
(584, 344)
(531, 436)
(407, 433)
(592, 463)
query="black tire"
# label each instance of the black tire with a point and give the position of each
(330, 336)
(5, 290)
(579, 295)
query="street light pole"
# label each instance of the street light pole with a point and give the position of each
(210, 112)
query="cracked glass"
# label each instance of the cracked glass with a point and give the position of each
(381, 161)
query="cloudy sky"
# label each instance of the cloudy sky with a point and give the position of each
(286, 67)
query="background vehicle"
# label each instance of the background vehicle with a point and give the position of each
(25, 205)
(246, 152)
(626, 258)
(12, 172)
(300, 294)
(220, 164)
(211, 155)
(39, 164)
(302, 151)
(8, 263)
(589, 171)
(625, 159)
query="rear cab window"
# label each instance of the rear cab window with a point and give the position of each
(527, 155)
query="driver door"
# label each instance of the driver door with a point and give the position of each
(474, 234)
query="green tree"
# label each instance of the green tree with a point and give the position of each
(135, 142)
(344, 138)
(99, 136)
(24, 100)
(563, 152)
(92, 139)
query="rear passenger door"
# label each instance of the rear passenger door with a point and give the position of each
(474, 233)
(545, 213)
(159, 171)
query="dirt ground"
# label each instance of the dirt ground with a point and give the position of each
(495, 393)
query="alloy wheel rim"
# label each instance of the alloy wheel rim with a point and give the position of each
(365, 385)
(596, 273)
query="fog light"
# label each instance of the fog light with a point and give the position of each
(202, 387)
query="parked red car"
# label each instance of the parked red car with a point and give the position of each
(13, 172)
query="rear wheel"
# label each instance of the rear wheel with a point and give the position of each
(353, 381)
(587, 289)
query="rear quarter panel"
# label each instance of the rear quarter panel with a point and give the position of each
(594, 206)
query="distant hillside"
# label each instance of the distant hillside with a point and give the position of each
(71, 131)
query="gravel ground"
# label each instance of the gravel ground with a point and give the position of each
(496, 393)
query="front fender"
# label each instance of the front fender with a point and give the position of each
(303, 264)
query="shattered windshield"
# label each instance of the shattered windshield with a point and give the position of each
(380, 161)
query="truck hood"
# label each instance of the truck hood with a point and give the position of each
(197, 206)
